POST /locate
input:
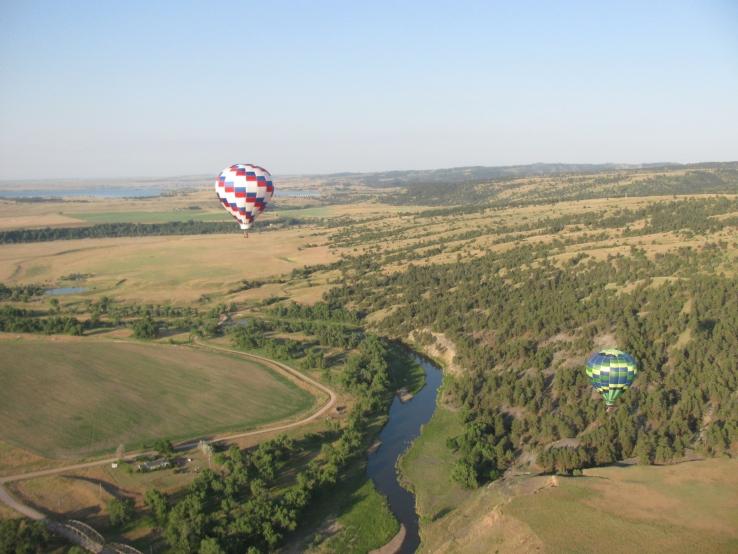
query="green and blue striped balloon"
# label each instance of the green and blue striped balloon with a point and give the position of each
(611, 371)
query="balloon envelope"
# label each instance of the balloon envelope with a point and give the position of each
(611, 371)
(244, 191)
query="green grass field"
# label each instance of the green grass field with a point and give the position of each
(67, 398)
(150, 217)
(366, 523)
(360, 517)
(426, 466)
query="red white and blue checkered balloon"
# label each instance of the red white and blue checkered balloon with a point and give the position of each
(243, 191)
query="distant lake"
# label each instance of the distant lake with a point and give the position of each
(61, 291)
(99, 192)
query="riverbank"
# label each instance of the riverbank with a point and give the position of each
(406, 420)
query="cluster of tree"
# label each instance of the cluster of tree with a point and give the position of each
(485, 449)
(145, 328)
(253, 336)
(326, 333)
(22, 536)
(21, 320)
(367, 372)
(114, 230)
(121, 511)
(321, 311)
(248, 284)
(145, 320)
(21, 293)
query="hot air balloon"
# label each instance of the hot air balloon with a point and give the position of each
(244, 190)
(611, 371)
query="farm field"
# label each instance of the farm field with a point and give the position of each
(71, 398)
(683, 508)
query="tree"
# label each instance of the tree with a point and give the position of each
(120, 511)
(644, 449)
(463, 472)
(164, 447)
(210, 546)
(145, 328)
(157, 503)
(186, 525)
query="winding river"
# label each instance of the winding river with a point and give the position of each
(403, 426)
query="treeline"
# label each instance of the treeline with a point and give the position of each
(114, 230)
(19, 320)
(146, 320)
(255, 334)
(22, 293)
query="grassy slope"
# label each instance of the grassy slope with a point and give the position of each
(71, 397)
(690, 507)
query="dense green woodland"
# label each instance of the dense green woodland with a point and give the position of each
(523, 327)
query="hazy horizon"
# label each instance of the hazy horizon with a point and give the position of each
(126, 178)
(118, 91)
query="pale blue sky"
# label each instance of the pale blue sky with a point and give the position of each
(102, 88)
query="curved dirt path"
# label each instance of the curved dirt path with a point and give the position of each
(11, 502)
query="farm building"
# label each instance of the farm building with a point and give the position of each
(153, 465)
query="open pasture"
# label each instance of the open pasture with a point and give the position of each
(682, 508)
(688, 507)
(161, 269)
(74, 397)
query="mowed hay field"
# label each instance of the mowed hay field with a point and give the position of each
(72, 397)
(683, 508)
